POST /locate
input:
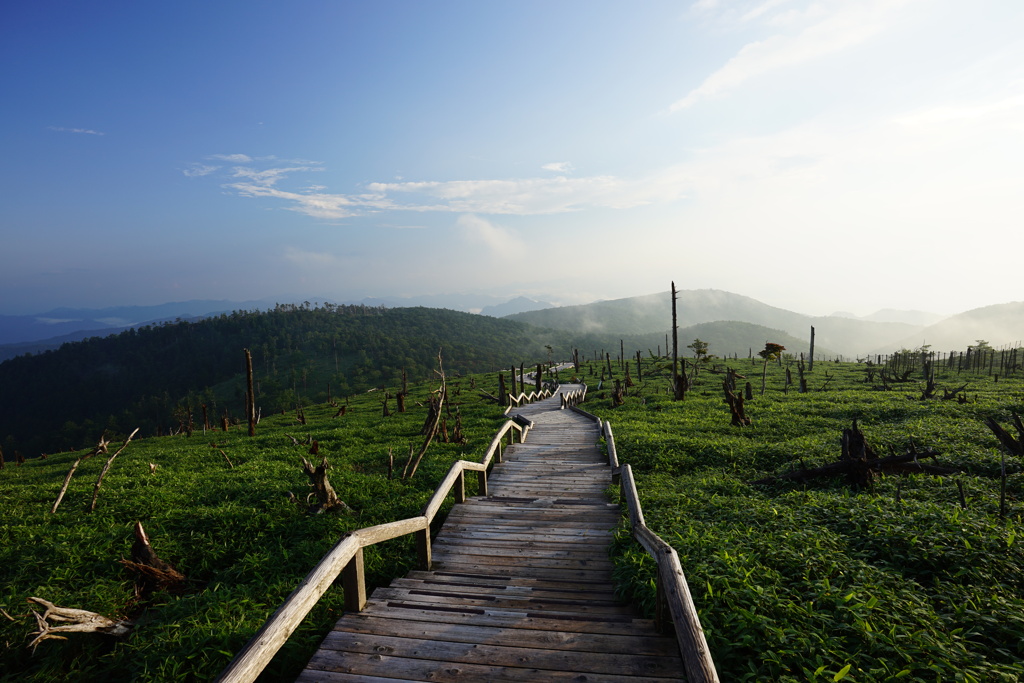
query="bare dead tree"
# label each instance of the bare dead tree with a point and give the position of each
(101, 447)
(106, 468)
(250, 396)
(431, 430)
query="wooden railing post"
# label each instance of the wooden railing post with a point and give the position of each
(497, 454)
(353, 581)
(481, 489)
(423, 548)
(662, 613)
(460, 487)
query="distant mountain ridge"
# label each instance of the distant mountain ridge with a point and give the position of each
(520, 304)
(848, 336)
(999, 324)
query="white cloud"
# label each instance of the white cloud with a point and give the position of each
(199, 170)
(83, 131)
(832, 29)
(235, 158)
(317, 205)
(269, 176)
(517, 196)
(502, 241)
(558, 167)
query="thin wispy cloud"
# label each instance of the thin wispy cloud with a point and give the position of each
(517, 196)
(820, 29)
(199, 170)
(83, 131)
(234, 158)
(269, 176)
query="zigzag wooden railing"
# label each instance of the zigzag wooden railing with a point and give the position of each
(569, 398)
(346, 559)
(674, 602)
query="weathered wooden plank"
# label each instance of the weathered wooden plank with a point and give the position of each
(513, 637)
(481, 588)
(512, 581)
(511, 602)
(514, 569)
(621, 663)
(509, 619)
(442, 672)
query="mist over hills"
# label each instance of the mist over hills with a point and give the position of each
(999, 324)
(878, 333)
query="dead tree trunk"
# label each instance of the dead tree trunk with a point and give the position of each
(250, 396)
(677, 393)
(153, 574)
(431, 425)
(810, 362)
(327, 499)
(739, 417)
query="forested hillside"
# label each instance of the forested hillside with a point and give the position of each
(155, 376)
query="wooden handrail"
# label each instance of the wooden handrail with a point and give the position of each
(673, 593)
(516, 401)
(346, 559)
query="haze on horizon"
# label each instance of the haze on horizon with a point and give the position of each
(816, 155)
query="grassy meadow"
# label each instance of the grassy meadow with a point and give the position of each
(794, 581)
(815, 581)
(230, 528)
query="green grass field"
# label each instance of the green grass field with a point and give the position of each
(242, 544)
(814, 580)
(794, 581)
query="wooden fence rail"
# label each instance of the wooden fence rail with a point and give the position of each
(346, 559)
(674, 602)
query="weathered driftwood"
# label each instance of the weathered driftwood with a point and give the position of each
(73, 621)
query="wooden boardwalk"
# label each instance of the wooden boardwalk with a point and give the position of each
(520, 588)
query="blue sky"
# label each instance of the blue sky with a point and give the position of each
(818, 155)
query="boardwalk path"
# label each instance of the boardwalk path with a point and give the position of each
(520, 588)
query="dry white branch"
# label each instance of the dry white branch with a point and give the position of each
(75, 621)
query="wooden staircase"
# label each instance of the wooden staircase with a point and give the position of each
(520, 587)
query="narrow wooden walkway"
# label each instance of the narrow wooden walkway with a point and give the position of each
(520, 588)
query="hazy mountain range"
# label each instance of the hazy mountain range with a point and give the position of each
(749, 320)
(884, 332)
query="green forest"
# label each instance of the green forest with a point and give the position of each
(154, 378)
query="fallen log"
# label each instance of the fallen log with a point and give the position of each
(1014, 445)
(859, 463)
